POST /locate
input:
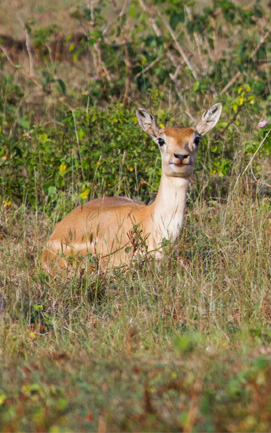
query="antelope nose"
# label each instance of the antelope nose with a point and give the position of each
(182, 157)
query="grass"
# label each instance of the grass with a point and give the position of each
(20, 12)
(181, 344)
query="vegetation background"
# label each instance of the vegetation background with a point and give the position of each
(179, 345)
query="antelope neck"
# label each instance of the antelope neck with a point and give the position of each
(169, 206)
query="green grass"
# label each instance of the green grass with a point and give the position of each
(179, 344)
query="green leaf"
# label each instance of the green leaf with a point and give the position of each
(43, 138)
(187, 342)
(85, 193)
(3, 398)
(51, 191)
(261, 363)
(91, 258)
(24, 123)
(62, 85)
(132, 11)
(81, 133)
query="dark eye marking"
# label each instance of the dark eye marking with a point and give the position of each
(197, 140)
(161, 141)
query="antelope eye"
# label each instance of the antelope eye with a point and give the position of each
(197, 140)
(161, 141)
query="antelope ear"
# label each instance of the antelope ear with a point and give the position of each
(209, 119)
(147, 122)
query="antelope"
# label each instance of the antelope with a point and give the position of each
(105, 227)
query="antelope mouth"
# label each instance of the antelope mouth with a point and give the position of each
(180, 164)
(181, 170)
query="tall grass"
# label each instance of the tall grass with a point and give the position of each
(183, 343)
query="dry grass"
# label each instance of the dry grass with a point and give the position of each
(18, 12)
(127, 348)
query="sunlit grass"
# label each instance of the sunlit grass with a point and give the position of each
(156, 346)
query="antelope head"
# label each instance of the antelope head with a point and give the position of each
(178, 145)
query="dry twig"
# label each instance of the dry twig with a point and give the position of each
(149, 66)
(178, 47)
(28, 47)
(19, 69)
(28, 77)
